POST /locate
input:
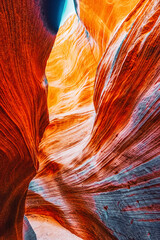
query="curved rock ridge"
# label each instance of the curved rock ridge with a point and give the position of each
(25, 45)
(70, 93)
(99, 166)
(71, 68)
(100, 17)
(120, 71)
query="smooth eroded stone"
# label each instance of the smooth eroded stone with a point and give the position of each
(25, 45)
(99, 167)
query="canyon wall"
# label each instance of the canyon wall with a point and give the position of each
(90, 153)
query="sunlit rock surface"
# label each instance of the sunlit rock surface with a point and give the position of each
(25, 45)
(101, 16)
(99, 158)
(97, 168)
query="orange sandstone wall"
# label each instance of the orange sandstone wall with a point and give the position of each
(71, 68)
(25, 45)
(99, 167)
(102, 16)
(96, 170)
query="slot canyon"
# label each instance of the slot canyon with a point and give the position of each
(80, 120)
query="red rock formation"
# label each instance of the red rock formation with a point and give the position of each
(100, 17)
(103, 184)
(99, 158)
(25, 45)
(71, 68)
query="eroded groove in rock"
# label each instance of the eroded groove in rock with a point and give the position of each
(25, 45)
(104, 184)
(71, 88)
(99, 157)
(101, 17)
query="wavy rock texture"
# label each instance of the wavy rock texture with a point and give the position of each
(99, 167)
(101, 16)
(25, 45)
(71, 68)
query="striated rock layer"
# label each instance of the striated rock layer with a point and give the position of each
(99, 166)
(101, 16)
(25, 45)
(96, 170)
